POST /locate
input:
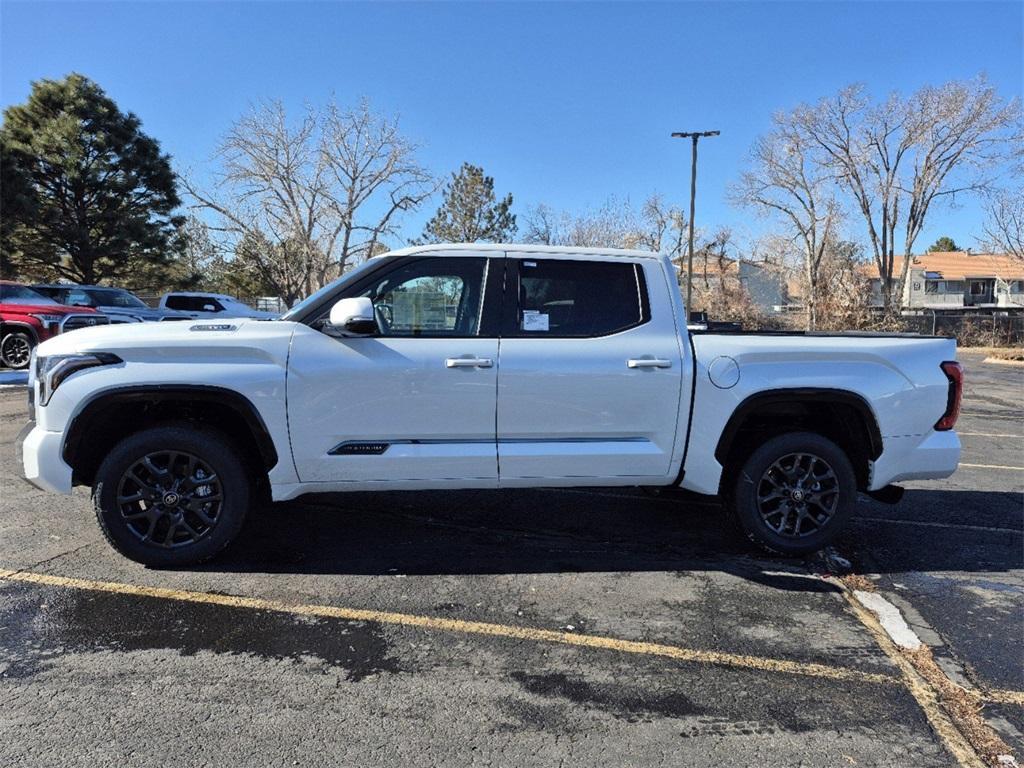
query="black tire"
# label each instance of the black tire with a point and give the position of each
(199, 467)
(16, 348)
(794, 494)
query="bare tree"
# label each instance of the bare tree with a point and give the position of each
(606, 227)
(302, 200)
(1004, 227)
(897, 158)
(787, 179)
(544, 225)
(370, 164)
(661, 227)
(658, 227)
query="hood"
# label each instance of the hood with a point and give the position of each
(44, 309)
(191, 340)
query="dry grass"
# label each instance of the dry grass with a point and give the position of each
(997, 351)
(963, 706)
(1008, 355)
(857, 581)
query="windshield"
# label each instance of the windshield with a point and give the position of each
(313, 298)
(20, 294)
(114, 297)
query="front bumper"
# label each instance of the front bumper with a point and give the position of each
(39, 457)
(922, 457)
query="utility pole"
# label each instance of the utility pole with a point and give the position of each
(695, 136)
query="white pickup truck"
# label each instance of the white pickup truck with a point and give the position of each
(483, 366)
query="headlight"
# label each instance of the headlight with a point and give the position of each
(52, 370)
(47, 319)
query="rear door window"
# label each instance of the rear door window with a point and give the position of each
(576, 298)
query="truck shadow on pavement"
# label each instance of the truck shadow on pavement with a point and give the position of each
(578, 531)
(939, 530)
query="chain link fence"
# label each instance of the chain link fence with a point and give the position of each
(970, 329)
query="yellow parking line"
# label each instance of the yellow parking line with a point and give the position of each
(465, 627)
(919, 688)
(1004, 697)
(992, 466)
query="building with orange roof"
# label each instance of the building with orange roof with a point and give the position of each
(957, 280)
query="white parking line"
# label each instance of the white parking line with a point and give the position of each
(992, 466)
(929, 524)
(988, 434)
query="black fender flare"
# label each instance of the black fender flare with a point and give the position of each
(800, 396)
(93, 407)
(6, 326)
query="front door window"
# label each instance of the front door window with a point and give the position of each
(430, 298)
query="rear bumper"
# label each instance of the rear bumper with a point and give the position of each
(921, 457)
(39, 459)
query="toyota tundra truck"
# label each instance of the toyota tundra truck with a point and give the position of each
(483, 366)
(28, 317)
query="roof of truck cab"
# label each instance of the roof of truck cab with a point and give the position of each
(562, 250)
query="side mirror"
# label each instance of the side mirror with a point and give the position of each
(353, 317)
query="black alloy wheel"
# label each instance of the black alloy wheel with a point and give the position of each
(174, 494)
(16, 350)
(794, 493)
(170, 499)
(798, 495)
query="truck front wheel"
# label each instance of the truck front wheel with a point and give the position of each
(794, 493)
(171, 495)
(16, 349)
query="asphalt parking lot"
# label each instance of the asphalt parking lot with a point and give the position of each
(519, 628)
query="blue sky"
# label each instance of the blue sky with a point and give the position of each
(566, 104)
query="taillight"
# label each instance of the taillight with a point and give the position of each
(955, 373)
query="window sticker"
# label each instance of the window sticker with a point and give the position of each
(420, 310)
(534, 320)
(529, 263)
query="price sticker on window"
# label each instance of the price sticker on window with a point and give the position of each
(534, 320)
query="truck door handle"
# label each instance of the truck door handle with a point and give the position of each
(648, 362)
(468, 362)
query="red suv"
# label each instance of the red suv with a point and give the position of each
(27, 318)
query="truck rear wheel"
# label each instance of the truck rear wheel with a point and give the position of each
(795, 493)
(171, 495)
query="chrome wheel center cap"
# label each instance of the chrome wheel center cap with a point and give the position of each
(171, 499)
(797, 494)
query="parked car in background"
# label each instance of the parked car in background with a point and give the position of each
(28, 318)
(211, 305)
(119, 305)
